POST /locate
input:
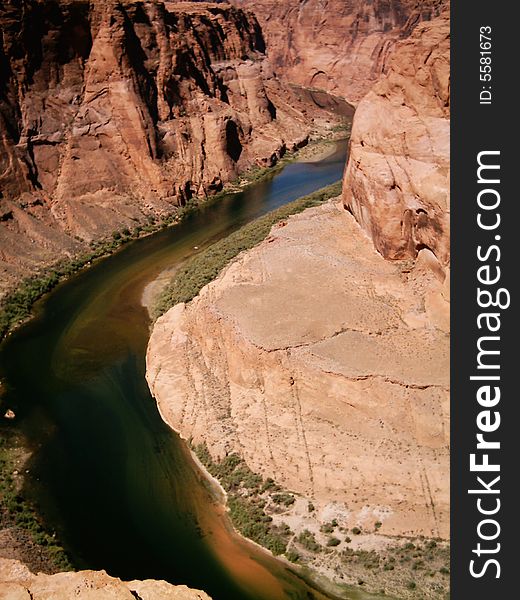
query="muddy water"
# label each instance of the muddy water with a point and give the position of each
(116, 483)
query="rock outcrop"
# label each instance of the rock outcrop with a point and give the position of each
(337, 45)
(18, 583)
(114, 111)
(397, 179)
(325, 366)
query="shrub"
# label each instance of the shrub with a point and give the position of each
(252, 480)
(327, 528)
(270, 485)
(274, 543)
(308, 540)
(283, 529)
(333, 541)
(286, 499)
(247, 511)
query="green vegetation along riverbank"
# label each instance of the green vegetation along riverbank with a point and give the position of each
(24, 535)
(324, 551)
(207, 264)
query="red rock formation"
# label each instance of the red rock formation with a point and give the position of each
(337, 45)
(397, 178)
(111, 110)
(18, 583)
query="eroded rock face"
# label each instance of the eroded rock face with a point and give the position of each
(18, 583)
(397, 178)
(337, 45)
(114, 110)
(325, 366)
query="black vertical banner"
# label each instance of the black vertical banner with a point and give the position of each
(485, 360)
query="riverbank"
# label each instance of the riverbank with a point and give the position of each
(23, 535)
(291, 528)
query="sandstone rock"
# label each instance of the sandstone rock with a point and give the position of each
(397, 179)
(112, 111)
(18, 583)
(337, 45)
(315, 359)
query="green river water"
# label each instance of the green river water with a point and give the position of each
(119, 487)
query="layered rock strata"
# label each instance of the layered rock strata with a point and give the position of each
(325, 367)
(397, 179)
(337, 45)
(112, 111)
(18, 583)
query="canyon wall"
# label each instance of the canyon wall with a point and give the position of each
(111, 111)
(337, 45)
(397, 179)
(18, 583)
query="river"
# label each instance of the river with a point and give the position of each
(119, 487)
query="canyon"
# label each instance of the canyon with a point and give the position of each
(116, 113)
(321, 356)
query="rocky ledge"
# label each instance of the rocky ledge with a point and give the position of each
(325, 367)
(18, 583)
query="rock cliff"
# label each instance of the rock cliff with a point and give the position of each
(112, 111)
(324, 366)
(337, 45)
(397, 179)
(18, 583)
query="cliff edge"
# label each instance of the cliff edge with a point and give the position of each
(316, 360)
(18, 583)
